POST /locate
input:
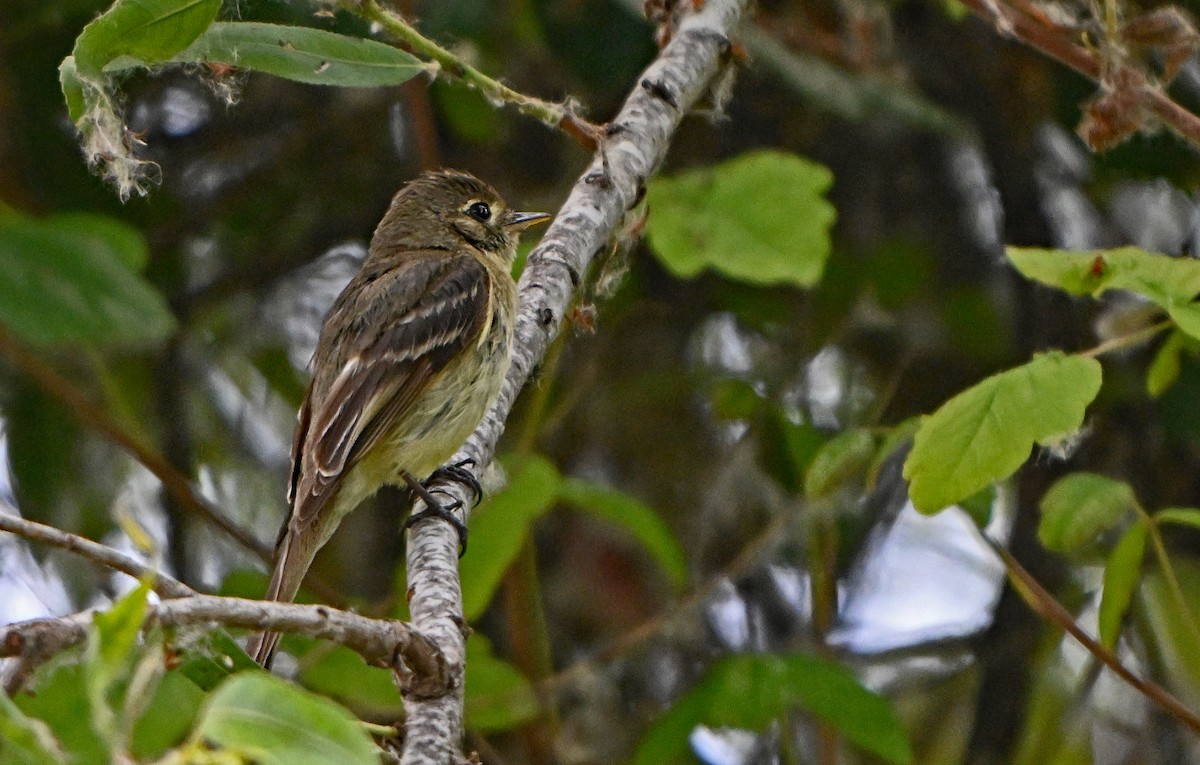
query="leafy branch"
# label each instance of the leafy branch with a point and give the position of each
(381, 642)
(151, 34)
(1131, 98)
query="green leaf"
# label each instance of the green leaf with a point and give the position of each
(168, 716)
(636, 518)
(24, 740)
(986, 432)
(342, 675)
(110, 656)
(1164, 369)
(214, 658)
(786, 449)
(72, 88)
(1169, 627)
(760, 218)
(1171, 283)
(1122, 573)
(111, 643)
(751, 691)
(149, 31)
(1079, 507)
(1180, 516)
(261, 717)
(72, 279)
(980, 505)
(734, 399)
(843, 456)
(302, 54)
(498, 696)
(58, 698)
(505, 521)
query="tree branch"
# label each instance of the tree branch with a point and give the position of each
(632, 148)
(1026, 23)
(380, 642)
(172, 480)
(99, 420)
(164, 585)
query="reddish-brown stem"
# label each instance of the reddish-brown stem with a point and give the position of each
(1044, 604)
(1023, 22)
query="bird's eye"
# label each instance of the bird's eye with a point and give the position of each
(480, 211)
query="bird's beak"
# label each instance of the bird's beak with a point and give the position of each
(519, 221)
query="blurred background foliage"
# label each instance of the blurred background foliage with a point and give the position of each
(697, 469)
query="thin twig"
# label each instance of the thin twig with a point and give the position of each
(1120, 342)
(1044, 604)
(165, 585)
(99, 420)
(380, 642)
(554, 115)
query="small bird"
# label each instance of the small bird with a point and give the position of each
(410, 357)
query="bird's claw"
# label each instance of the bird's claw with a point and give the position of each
(458, 472)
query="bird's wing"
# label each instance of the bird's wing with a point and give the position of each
(408, 323)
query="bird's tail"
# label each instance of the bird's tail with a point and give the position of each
(292, 560)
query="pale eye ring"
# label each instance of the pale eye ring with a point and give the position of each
(480, 211)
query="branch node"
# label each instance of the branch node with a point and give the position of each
(661, 91)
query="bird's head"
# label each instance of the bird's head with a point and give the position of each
(449, 208)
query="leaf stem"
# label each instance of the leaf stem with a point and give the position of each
(1044, 604)
(1125, 341)
(1164, 563)
(550, 114)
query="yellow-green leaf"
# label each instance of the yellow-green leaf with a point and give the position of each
(760, 218)
(986, 432)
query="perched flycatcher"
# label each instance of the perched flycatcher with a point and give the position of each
(410, 357)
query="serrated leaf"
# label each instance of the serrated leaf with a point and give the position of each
(753, 690)
(843, 456)
(986, 432)
(1122, 572)
(761, 218)
(505, 520)
(498, 696)
(1164, 369)
(260, 717)
(72, 279)
(150, 31)
(636, 518)
(1079, 507)
(1171, 283)
(1179, 516)
(25, 740)
(303, 54)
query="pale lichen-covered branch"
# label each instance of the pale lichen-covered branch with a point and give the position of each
(632, 148)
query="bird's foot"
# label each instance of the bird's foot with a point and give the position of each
(458, 472)
(435, 508)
